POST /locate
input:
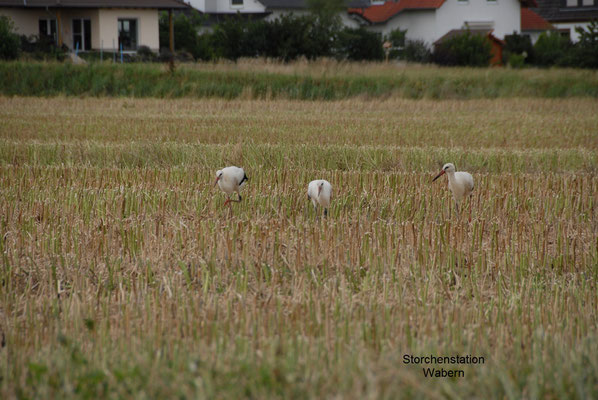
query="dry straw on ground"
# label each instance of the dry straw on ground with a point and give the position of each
(122, 274)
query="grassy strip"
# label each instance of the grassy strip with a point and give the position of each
(47, 79)
(307, 157)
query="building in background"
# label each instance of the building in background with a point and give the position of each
(91, 24)
(566, 15)
(533, 24)
(429, 20)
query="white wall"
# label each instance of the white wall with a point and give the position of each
(277, 13)
(420, 25)
(571, 26)
(147, 27)
(504, 16)
(226, 6)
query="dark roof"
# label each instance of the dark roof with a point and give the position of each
(160, 4)
(457, 32)
(557, 11)
(302, 4)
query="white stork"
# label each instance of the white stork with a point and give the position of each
(229, 180)
(460, 183)
(320, 193)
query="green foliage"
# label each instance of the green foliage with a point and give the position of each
(145, 54)
(586, 50)
(467, 49)
(9, 41)
(42, 48)
(360, 44)
(397, 39)
(552, 48)
(516, 61)
(417, 51)
(516, 44)
(186, 36)
(139, 80)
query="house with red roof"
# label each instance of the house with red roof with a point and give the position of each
(533, 25)
(429, 20)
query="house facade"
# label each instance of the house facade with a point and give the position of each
(566, 15)
(91, 24)
(429, 20)
(229, 6)
(533, 25)
(267, 9)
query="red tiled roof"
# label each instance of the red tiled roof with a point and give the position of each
(530, 21)
(384, 12)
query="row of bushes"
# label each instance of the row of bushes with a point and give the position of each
(553, 49)
(312, 36)
(287, 38)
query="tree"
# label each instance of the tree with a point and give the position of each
(466, 49)
(9, 41)
(552, 49)
(517, 44)
(586, 50)
(360, 44)
(186, 35)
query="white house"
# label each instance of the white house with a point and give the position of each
(533, 24)
(566, 15)
(429, 20)
(228, 6)
(268, 9)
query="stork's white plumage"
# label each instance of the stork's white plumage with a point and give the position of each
(230, 180)
(320, 194)
(460, 183)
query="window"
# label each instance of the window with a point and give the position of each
(236, 2)
(127, 34)
(81, 34)
(587, 3)
(47, 29)
(571, 3)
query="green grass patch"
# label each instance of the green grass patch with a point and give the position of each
(224, 81)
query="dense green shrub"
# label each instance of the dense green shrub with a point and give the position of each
(360, 44)
(466, 49)
(553, 49)
(397, 39)
(42, 48)
(9, 41)
(185, 32)
(586, 50)
(416, 51)
(519, 45)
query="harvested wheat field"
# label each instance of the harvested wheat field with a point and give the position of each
(123, 276)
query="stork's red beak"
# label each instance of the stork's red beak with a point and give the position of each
(439, 175)
(319, 190)
(215, 183)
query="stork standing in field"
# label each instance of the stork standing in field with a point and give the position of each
(460, 183)
(320, 194)
(229, 180)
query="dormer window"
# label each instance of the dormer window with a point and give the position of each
(236, 3)
(571, 3)
(587, 3)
